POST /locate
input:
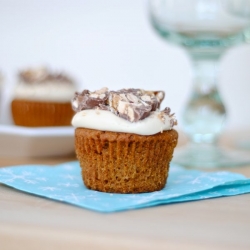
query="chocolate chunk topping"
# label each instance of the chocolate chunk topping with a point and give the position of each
(130, 104)
(90, 100)
(42, 75)
(167, 111)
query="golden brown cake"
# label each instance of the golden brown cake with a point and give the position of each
(113, 160)
(42, 98)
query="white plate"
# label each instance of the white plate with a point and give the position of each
(36, 142)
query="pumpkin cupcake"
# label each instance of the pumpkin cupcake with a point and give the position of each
(42, 98)
(123, 142)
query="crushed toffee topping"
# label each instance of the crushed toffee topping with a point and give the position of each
(130, 104)
(42, 75)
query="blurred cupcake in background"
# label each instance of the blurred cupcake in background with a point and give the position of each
(42, 98)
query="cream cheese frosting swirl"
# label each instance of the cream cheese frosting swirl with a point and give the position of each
(127, 110)
(42, 85)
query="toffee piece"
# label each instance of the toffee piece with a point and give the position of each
(130, 104)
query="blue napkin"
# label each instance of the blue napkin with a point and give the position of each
(63, 183)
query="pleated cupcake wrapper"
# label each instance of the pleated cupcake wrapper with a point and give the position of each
(31, 113)
(124, 165)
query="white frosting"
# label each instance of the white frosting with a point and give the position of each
(107, 121)
(50, 91)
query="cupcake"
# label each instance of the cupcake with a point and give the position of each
(42, 98)
(123, 142)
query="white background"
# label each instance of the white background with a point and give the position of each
(111, 43)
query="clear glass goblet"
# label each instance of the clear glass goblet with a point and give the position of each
(206, 29)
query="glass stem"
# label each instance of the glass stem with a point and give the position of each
(205, 113)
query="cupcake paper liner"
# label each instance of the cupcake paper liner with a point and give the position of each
(123, 162)
(40, 114)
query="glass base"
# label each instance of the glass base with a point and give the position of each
(243, 144)
(209, 156)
